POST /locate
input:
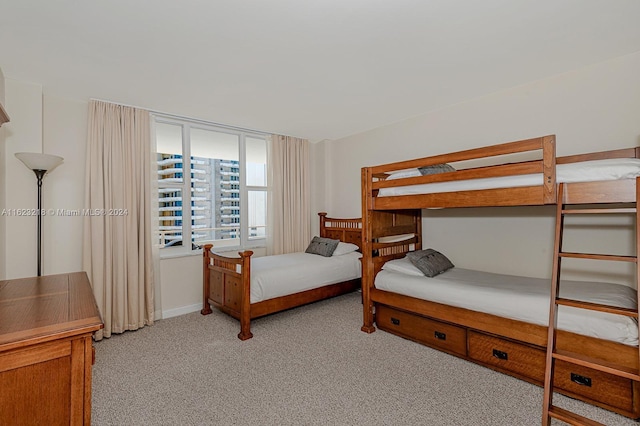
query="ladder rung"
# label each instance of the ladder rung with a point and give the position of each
(599, 211)
(571, 418)
(627, 312)
(597, 364)
(599, 256)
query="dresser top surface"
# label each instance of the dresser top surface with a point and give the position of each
(38, 309)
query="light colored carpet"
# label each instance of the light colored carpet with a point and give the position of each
(307, 366)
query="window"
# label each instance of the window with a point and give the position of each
(218, 194)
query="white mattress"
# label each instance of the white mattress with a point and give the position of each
(280, 275)
(587, 171)
(522, 298)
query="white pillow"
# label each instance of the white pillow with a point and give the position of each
(395, 238)
(344, 248)
(404, 266)
(404, 174)
(608, 169)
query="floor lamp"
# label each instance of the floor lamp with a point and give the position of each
(41, 164)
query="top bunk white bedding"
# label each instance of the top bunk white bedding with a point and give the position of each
(284, 274)
(520, 298)
(586, 171)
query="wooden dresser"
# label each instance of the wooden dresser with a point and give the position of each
(46, 351)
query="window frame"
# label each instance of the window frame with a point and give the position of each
(245, 241)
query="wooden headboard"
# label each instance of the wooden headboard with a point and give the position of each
(345, 230)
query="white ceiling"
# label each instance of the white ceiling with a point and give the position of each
(319, 69)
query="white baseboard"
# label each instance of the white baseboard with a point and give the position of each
(181, 311)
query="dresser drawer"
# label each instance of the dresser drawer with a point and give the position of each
(595, 385)
(444, 336)
(520, 359)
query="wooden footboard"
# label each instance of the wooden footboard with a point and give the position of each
(227, 286)
(380, 224)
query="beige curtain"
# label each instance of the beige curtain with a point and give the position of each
(117, 251)
(289, 223)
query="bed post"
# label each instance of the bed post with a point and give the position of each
(245, 297)
(323, 218)
(367, 261)
(549, 169)
(206, 307)
(636, 384)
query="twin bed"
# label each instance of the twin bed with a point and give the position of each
(499, 321)
(247, 288)
(516, 297)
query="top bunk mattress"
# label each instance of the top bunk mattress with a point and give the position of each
(519, 298)
(284, 274)
(586, 171)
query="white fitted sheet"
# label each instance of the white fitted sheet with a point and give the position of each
(522, 298)
(284, 274)
(586, 171)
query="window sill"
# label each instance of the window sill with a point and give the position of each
(198, 252)
(180, 254)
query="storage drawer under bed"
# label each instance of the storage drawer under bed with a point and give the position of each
(595, 385)
(517, 358)
(529, 361)
(443, 336)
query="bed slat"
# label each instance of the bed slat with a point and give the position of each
(522, 196)
(470, 154)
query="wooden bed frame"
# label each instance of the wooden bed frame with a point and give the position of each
(227, 280)
(513, 347)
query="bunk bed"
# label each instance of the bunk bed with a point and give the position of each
(393, 196)
(247, 289)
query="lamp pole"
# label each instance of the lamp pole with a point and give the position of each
(40, 164)
(39, 175)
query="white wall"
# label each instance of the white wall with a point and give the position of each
(591, 109)
(181, 285)
(2, 89)
(65, 134)
(51, 125)
(22, 134)
(3, 267)
(318, 153)
(3, 205)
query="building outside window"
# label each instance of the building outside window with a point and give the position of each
(218, 195)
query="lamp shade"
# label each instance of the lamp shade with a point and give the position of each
(37, 161)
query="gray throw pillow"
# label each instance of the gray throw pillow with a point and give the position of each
(436, 168)
(322, 246)
(430, 262)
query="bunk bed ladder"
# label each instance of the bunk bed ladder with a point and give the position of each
(553, 353)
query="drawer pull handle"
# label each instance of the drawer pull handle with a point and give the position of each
(395, 321)
(581, 380)
(440, 336)
(500, 355)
